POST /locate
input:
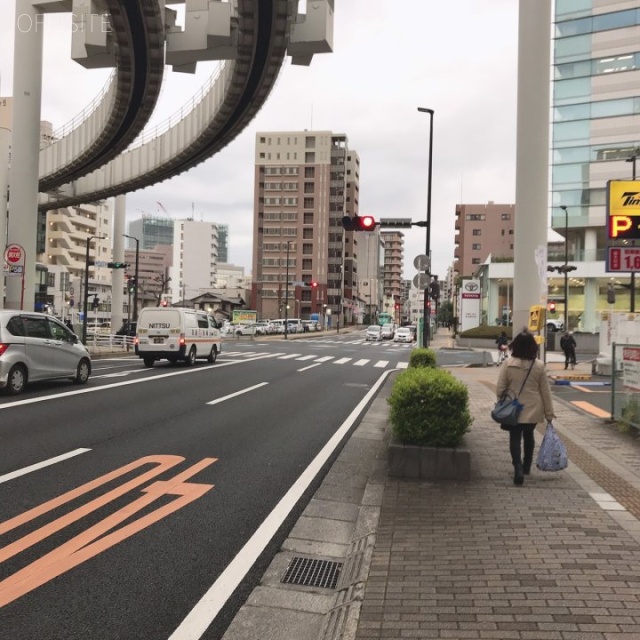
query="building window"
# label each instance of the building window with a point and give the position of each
(308, 203)
(505, 216)
(476, 232)
(309, 157)
(475, 261)
(475, 216)
(476, 246)
(309, 172)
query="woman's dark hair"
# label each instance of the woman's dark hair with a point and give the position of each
(524, 346)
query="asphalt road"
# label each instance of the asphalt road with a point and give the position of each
(124, 501)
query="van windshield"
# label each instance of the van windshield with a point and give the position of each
(155, 319)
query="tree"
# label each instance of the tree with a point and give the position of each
(445, 314)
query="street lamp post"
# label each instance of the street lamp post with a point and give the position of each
(286, 295)
(137, 284)
(426, 314)
(632, 297)
(85, 301)
(566, 271)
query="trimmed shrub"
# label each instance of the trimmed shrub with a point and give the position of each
(429, 407)
(422, 358)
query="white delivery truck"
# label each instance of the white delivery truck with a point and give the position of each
(175, 333)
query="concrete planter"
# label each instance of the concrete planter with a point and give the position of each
(428, 463)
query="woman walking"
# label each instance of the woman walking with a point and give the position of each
(524, 370)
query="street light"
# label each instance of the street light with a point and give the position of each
(85, 302)
(566, 270)
(286, 295)
(632, 298)
(426, 314)
(137, 284)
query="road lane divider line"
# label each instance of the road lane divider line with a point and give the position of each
(151, 378)
(207, 608)
(238, 393)
(41, 465)
(311, 366)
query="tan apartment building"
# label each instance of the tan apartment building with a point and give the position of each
(393, 284)
(305, 182)
(482, 230)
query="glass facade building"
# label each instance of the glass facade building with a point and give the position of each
(595, 138)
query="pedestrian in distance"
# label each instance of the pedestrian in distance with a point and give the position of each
(503, 344)
(568, 345)
(524, 370)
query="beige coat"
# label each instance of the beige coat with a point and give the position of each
(536, 395)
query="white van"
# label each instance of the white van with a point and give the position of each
(175, 333)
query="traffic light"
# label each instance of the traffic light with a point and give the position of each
(95, 302)
(314, 284)
(552, 307)
(164, 303)
(117, 265)
(131, 284)
(359, 223)
(397, 306)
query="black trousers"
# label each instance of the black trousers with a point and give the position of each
(522, 433)
(569, 357)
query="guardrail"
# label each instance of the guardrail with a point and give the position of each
(109, 343)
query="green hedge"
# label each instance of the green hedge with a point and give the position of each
(487, 332)
(429, 407)
(422, 357)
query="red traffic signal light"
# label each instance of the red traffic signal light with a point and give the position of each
(359, 223)
(314, 284)
(552, 307)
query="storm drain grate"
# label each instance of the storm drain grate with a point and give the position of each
(312, 573)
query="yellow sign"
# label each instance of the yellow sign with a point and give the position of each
(535, 317)
(623, 209)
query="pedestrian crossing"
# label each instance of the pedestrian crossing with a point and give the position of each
(316, 359)
(360, 341)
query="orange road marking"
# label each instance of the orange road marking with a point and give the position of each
(591, 408)
(85, 545)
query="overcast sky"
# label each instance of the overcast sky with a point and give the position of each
(390, 57)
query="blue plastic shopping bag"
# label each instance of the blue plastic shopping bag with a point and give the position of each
(552, 455)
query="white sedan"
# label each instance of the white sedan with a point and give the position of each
(403, 334)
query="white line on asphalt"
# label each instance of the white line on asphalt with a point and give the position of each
(206, 610)
(238, 393)
(381, 364)
(307, 357)
(288, 357)
(402, 365)
(342, 360)
(41, 465)
(311, 366)
(325, 358)
(360, 363)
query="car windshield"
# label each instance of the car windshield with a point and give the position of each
(374, 327)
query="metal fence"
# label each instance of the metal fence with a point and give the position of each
(625, 384)
(109, 343)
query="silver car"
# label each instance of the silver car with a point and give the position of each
(35, 346)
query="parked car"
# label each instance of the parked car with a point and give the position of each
(36, 346)
(310, 325)
(374, 332)
(127, 329)
(555, 325)
(264, 328)
(403, 334)
(387, 332)
(245, 330)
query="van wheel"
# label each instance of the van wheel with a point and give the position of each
(213, 355)
(191, 358)
(83, 372)
(16, 380)
(148, 362)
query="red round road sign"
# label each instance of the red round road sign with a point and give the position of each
(14, 254)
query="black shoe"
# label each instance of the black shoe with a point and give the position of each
(526, 468)
(518, 475)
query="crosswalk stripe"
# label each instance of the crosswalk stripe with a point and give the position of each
(342, 361)
(307, 357)
(381, 364)
(325, 359)
(289, 356)
(402, 365)
(360, 363)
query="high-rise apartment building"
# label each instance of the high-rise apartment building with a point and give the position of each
(482, 230)
(393, 283)
(151, 231)
(305, 182)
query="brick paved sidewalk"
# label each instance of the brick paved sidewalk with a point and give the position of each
(558, 558)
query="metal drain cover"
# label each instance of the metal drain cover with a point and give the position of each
(310, 572)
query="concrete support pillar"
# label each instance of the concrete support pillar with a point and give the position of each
(5, 142)
(532, 157)
(117, 280)
(27, 95)
(590, 246)
(493, 306)
(590, 321)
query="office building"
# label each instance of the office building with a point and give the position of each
(151, 231)
(303, 260)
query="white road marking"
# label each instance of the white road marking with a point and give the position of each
(360, 363)
(325, 358)
(342, 360)
(402, 365)
(206, 610)
(307, 357)
(237, 393)
(119, 374)
(289, 356)
(41, 465)
(381, 364)
(311, 366)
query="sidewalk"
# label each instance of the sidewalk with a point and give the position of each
(555, 559)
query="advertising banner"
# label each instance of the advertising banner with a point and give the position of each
(470, 304)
